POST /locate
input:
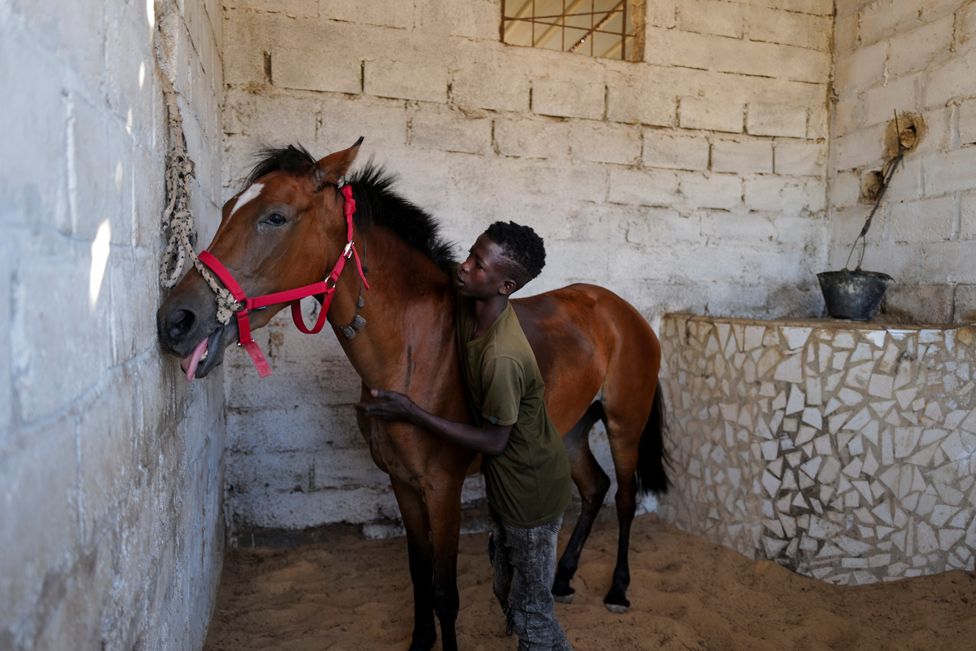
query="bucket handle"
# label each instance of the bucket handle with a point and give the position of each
(887, 171)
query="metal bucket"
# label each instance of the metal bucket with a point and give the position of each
(854, 295)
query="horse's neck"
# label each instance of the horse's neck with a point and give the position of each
(409, 311)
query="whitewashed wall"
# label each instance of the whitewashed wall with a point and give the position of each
(694, 180)
(911, 57)
(110, 466)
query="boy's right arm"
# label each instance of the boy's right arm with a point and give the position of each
(391, 405)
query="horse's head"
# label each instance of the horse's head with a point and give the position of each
(282, 231)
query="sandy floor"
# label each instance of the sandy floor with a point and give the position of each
(686, 594)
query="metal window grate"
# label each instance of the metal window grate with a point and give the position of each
(611, 29)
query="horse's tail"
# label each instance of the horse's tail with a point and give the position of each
(652, 477)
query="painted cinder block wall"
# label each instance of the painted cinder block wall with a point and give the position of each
(917, 57)
(111, 531)
(693, 180)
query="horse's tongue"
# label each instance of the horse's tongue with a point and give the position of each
(191, 361)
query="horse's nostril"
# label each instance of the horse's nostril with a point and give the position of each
(180, 323)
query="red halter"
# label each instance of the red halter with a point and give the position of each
(325, 289)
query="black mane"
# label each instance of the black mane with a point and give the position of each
(376, 202)
(291, 159)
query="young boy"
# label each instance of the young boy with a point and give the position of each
(525, 464)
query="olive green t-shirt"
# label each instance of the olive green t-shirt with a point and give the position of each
(528, 483)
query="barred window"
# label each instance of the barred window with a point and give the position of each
(613, 29)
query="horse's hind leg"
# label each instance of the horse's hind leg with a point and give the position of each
(616, 599)
(593, 485)
(625, 426)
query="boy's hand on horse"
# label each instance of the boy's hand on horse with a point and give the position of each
(392, 405)
(389, 405)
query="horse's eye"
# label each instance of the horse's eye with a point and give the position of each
(275, 219)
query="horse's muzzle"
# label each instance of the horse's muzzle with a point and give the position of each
(188, 328)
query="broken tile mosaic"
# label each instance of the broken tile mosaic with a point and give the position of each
(844, 451)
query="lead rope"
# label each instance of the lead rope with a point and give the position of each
(178, 225)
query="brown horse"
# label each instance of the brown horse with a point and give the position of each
(599, 357)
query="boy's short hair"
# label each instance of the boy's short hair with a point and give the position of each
(523, 247)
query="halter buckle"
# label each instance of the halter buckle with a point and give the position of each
(347, 252)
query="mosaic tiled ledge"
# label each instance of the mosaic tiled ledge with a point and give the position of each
(844, 451)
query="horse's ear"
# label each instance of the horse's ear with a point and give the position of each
(333, 167)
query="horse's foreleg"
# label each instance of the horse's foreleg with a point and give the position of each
(593, 485)
(420, 554)
(444, 513)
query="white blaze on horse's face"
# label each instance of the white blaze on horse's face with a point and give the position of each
(248, 195)
(252, 193)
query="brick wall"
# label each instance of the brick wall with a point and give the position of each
(694, 180)
(909, 57)
(110, 467)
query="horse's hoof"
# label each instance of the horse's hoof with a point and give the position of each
(422, 643)
(616, 603)
(563, 594)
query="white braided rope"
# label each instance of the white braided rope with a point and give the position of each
(178, 225)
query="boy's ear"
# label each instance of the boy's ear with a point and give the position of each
(508, 286)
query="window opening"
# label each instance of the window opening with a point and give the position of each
(612, 29)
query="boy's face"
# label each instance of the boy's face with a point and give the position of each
(483, 275)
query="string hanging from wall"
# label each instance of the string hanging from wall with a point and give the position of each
(178, 225)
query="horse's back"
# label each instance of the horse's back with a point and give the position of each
(584, 337)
